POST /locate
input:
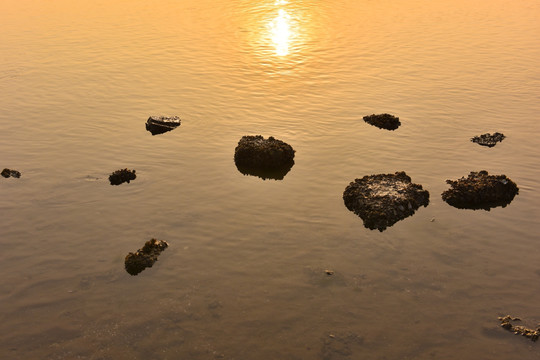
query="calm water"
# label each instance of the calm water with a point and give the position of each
(244, 276)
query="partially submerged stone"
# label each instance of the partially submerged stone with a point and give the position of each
(144, 257)
(161, 124)
(488, 139)
(480, 190)
(266, 158)
(384, 199)
(383, 121)
(10, 173)
(506, 322)
(121, 176)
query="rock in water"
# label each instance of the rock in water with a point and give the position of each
(480, 191)
(161, 124)
(121, 176)
(10, 173)
(488, 139)
(384, 199)
(506, 323)
(266, 158)
(145, 257)
(383, 121)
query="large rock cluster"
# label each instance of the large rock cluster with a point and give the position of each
(488, 139)
(480, 190)
(384, 199)
(383, 121)
(121, 176)
(144, 257)
(161, 124)
(266, 158)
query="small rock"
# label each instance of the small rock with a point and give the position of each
(161, 124)
(121, 176)
(382, 200)
(383, 121)
(10, 173)
(144, 257)
(488, 139)
(329, 272)
(480, 191)
(266, 158)
(506, 323)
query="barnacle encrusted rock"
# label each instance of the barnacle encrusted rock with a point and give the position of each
(145, 257)
(266, 158)
(10, 173)
(383, 121)
(121, 176)
(480, 190)
(384, 199)
(506, 322)
(488, 139)
(161, 124)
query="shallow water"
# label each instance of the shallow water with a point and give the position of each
(244, 275)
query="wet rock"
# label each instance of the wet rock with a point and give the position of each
(383, 121)
(266, 158)
(161, 124)
(506, 323)
(480, 191)
(488, 139)
(145, 257)
(384, 199)
(10, 173)
(121, 176)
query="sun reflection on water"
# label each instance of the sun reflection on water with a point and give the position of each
(280, 28)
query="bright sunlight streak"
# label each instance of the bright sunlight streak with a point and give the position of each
(280, 28)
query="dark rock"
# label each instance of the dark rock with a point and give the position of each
(480, 191)
(506, 323)
(488, 139)
(383, 121)
(161, 124)
(384, 199)
(266, 158)
(10, 173)
(145, 257)
(121, 176)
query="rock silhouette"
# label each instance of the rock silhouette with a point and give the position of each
(162, 124)
(144, 257)
(383, 121)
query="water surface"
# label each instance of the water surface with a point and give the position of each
(244, 275)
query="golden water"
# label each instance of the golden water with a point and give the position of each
(244, 275)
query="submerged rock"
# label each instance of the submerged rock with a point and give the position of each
(10, 173)
(480, 191)
(145, 257)
(266, 158)
(383, 121)
(506, 322)
(161, 124)
(488, 139)
(121, 176)
(384, 199)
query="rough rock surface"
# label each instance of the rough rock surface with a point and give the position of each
(10, 173)
(506, 322)
(480, 191)
(384, 199)
(161, 124)
(267, 158)
(383, 121)
(121, 176)
(488, 139)
(145, 257)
